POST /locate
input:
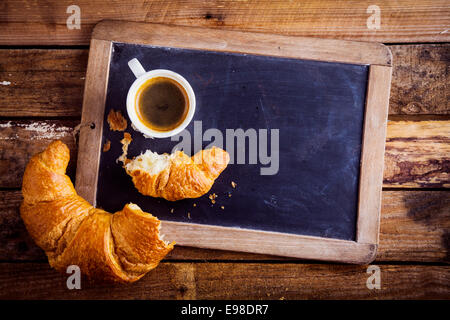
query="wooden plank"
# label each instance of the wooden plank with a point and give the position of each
(235, 281)
(371, 170)
(42, 83)
(16, 243)
(49, 83)
(90, 144)
(420, 79)
(417, 154)
(238, 41)
(25, 22)
(19, 140)
(275, 243)
(415, 226)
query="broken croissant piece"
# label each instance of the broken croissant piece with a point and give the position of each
(176, 176)
(120, 247)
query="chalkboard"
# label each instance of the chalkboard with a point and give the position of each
(318, 108)
(312, 111)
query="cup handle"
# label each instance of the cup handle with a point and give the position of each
(136, 67)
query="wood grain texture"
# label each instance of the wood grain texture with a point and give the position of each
(43, 83)
(415, 226)
(274, 243)
(19, 140)
(15, 242)
(420, 79)
(417, 154)
(247, 42)
(90, 144)
(235, 281)
(32, 22)
(49, 83)
(372, 152)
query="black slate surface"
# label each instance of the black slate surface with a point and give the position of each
(318, 108)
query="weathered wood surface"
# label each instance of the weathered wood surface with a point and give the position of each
(372, 154)
(19, 140)
(415, 226)
(36, 22)
(42, 83)
(417, 153)
(235, 281)
(50, 83)
(420, 79)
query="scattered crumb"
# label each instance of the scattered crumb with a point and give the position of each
(125, 143)
(107, 146)
(268, 294)
(171, 210)
(233, 184)
(282, 298)
(222, 207)
(116, 121)
(189, 215)
(194, 205)
(213, 197)
(229, 195)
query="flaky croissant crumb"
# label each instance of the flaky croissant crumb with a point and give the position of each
(107, 146)
(116, 121)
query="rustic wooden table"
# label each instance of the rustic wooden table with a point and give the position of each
(42, 73)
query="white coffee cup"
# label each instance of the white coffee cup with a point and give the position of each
(141, 77)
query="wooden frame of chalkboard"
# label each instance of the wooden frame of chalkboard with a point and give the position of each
(376, 56)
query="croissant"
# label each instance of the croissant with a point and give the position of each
(176, 176)
(120, 247)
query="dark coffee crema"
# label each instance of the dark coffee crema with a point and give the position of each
(161, 104)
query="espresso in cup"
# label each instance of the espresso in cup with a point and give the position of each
(162, 104)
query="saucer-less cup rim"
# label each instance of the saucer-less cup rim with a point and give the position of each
(131, 100)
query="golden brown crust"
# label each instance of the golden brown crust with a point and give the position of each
(107, 146)
(121, 247)
(116, 121)
(125, 143)
(184, 177)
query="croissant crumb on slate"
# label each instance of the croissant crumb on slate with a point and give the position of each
(125, 143)
(116, 121)
(120, 247)
(176, 176)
